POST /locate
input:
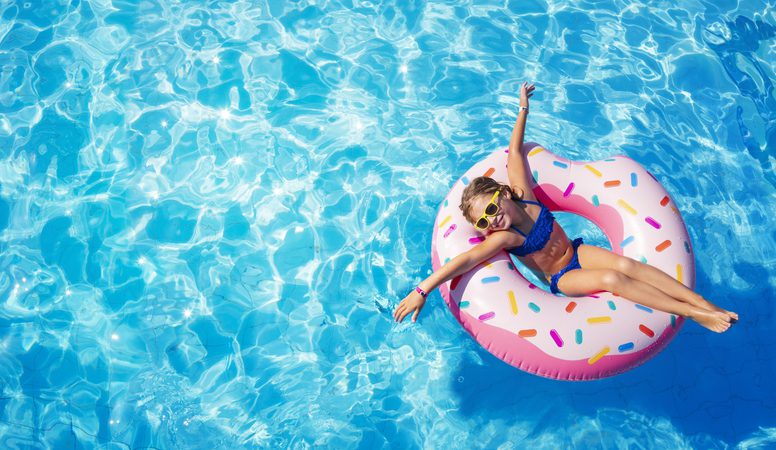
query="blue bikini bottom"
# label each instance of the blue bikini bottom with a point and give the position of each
(573, 264)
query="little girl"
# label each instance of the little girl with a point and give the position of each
(516, 222)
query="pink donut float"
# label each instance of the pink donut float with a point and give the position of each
(568, 338)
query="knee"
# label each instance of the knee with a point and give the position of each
(626, 265)
(612, 280)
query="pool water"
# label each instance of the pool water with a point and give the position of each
(209, 211)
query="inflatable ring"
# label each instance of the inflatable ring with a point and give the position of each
(569, 338)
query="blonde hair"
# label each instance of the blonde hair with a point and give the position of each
(482, 186)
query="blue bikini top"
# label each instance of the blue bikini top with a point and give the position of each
(538, 236)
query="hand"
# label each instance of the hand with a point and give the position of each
(526, 91)
(412, 302)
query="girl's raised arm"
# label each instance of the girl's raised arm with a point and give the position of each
(461, 264)
(517, 167)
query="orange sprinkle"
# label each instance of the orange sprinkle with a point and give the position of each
(612, 183)
(664, 202)
(570, 307)
(663, 245)
(647, 331)
(489, 172)
(527, 333)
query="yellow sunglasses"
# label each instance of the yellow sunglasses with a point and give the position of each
(490, 210)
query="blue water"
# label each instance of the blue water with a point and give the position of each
(210, 209)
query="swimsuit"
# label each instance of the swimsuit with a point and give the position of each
(537, 238)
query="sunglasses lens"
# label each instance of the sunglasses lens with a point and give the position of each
(491, 209)
(482, 223)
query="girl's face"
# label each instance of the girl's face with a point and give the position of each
(502, 220)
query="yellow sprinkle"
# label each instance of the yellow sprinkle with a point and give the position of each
(488, 265)
(679, 272)
(535, 151)
(602, 319)
(512, 302)
(598, 356)
(628, 207)
(447, 219)
(593, 169)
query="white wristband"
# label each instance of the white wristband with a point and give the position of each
(520, 109)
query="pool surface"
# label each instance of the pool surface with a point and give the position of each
(209, 211)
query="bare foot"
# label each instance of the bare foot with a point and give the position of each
(713, 320)
(707, 305)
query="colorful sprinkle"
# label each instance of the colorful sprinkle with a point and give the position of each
(686, 246)
(556, 337)
(578, 336)
(673, 321)
(626, 241)
(531, 286)
(644, 259)
(612, 306)
(593, 296)
(679, 273)
(570, 307)
(612, 183)
(625, 347)
(510, 266)
(676, 211)
(535, 151)
(664, 201)
(595, 200)
(627, 207)
(652, 222)
(527, 333)
(450, 230)
(476, 239)
(610, 160)
(455, 282)
(535, 174)
(568, 190)
(644, 329)
(643, 308)
(464, 305)
(534, 307)
(562, 165)
(602, 319)
(447, 260)
(663, 245)
(465, 181)
(445, 203)
(598, 355)
(489, 172)
(447, 219)
(593, 169)
(634, 179)
(488, 265)
(487, 316)
(512, 302)
(488, 280)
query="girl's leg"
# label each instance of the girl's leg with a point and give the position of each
(587, 281)
(592, 257)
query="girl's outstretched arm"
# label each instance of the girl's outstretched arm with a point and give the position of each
(517, 166)
(461, 264)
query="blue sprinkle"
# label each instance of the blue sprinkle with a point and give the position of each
(447, 260)
(634, 180)
(610, 159)
(686, 247)
(579, 336)
(643, 308)
(465, 181)
(595, 200)
(626, 241)
(534, 307)
(490, 280)
(535, 175)
(511, 267)
(625, 347)
(445, 203)
(644, 259)
(612, 306)
(464, 304)
(560, 164)
(673, 321)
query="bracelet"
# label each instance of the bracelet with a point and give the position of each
(522, 108)
(420, 291)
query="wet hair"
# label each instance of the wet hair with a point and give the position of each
(482, 186)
